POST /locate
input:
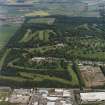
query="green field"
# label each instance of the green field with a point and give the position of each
(6, 32)
(49, 21)
(28, 78)
(38, 35)
(3, 57)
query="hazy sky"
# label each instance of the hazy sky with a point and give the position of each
(92, 2)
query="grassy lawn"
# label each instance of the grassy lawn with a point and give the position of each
(10, 78)
(40, 77)
(41, 35)
(27, 35)
(44, 34)
(43, 79)
(4, 57)
(73, 74)
(36, 80)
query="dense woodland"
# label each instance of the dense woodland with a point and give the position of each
(61, 39)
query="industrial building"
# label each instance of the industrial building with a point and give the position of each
(46, 96)
(91, 97)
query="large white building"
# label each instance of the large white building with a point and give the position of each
(92, 97)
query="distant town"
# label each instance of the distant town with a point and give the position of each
(15, 1)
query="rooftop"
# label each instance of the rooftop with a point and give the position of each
(92, 96)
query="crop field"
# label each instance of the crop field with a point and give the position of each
(92, 76)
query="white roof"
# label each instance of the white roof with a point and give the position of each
(50, 103)
(43, 91)
(58, 90)
(52, 98)
(19, 99)
(44, 95)
(38, 58)
(93, 96)
(64, 103)
(36, 103)
(67, 93)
